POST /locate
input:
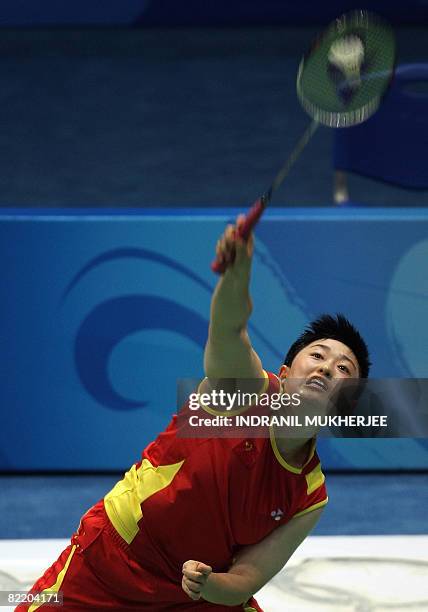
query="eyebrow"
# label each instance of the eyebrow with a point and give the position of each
(341, 356)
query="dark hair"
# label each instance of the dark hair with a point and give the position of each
(335, 328)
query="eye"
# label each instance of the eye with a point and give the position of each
(344, 369)
(316, 355)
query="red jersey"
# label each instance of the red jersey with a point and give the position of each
(204, 499)
(200, 499)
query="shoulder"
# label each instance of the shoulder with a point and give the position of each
(234, 396)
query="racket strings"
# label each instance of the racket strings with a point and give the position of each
(343, 79)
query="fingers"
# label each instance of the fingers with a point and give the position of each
(190, 565)
(240, 220)
(193, 594)
(231, 247)
(196, 571)
(243, 248)
(195, 576)
(225, 249)
(205, 569)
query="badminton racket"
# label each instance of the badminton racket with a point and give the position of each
(341, 82)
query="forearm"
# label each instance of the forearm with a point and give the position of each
(228, 353)
(231, 303)
(226, 588)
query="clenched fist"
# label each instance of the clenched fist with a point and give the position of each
(231, 250)
(195, 576)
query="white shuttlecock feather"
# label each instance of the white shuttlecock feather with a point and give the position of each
(347, 54)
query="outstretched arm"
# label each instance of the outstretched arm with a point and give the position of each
(228, 352)
(253, 567)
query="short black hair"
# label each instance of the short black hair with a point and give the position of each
(336, 328)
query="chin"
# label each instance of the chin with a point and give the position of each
(312, 398)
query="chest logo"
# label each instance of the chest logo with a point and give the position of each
(277, 514)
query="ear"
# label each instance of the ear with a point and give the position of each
(283, 371)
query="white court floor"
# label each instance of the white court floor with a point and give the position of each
(326, 574)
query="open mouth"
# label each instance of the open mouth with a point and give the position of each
(317, 383)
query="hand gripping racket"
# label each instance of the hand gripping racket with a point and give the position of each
(340, 82)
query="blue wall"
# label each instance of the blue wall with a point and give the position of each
(194, 12)
(102, 313)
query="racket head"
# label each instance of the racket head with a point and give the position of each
(342, 79)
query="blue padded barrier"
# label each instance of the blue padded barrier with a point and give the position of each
(101, 312)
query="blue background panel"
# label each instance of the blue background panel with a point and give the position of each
(101, 314)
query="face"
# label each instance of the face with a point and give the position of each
(318, 368)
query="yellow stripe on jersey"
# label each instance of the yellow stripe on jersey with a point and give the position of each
(314, 479)
(123, 503)
(314, 507)
(249, 608)
(59, 580)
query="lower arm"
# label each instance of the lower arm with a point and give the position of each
(231, 303)
(227, 589)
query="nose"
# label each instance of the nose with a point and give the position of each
(325, 370)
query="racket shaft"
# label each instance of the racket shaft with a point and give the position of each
(294, 156)
(218, 266)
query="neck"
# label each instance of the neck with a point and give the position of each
(295, 451)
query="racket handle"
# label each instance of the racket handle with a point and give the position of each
(252, 218)
(244, 231)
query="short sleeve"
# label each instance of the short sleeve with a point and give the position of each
(314, 493)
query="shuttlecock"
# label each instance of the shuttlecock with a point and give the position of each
(347, 55)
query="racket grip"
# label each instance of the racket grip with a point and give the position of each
(252, 218)
(244, 231)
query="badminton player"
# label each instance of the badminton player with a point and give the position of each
(202, 524)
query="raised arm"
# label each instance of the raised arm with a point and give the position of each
(228, 352)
